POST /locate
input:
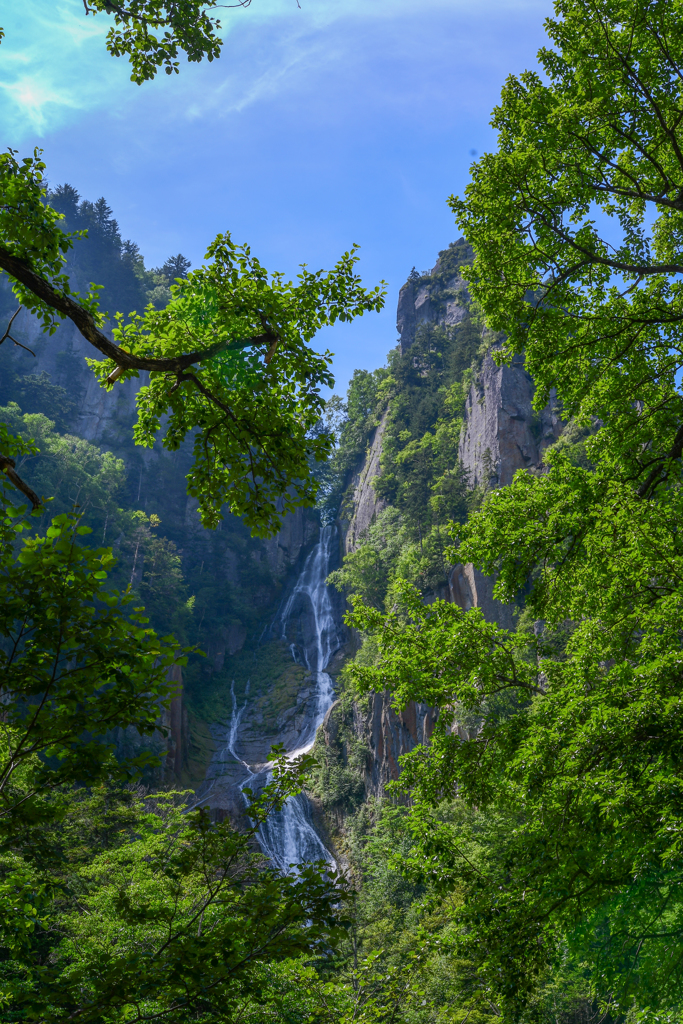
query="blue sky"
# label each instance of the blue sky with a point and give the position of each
(339, 122)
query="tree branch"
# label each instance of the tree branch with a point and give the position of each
(22, 271)
(7, 467)
(8, 337)
(593, 257)
(658, 471)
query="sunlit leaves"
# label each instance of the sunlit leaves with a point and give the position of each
(230, 362)
(154, 34)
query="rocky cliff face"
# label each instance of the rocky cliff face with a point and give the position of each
(501, 434)
(469, 588)
(383, 732)
(442, 299)
(99, 414)
(365, 503)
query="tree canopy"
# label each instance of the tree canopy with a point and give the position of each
(229, 357)
(567, 731)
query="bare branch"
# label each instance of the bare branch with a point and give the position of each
(8, 337)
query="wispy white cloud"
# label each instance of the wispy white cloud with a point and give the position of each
(51, 67)
(54, 66)
(33, 96)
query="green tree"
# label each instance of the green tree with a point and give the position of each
(73, 472)
(229, 357)
(151, 911)
(75, 661)
(569, 728)
(193, 914)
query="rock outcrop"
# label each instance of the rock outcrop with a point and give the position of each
(469, 588)
(502, 433)
(283, 551)
(365, 503)
(388, 734)
(382, 733)
(437, 297)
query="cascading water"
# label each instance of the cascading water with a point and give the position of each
(226, 755)
(288, 836)
(306, 621)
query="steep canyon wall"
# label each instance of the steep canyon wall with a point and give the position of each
(501, 434)
(253, 687)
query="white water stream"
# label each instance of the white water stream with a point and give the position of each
(307, 623)
(288, 836)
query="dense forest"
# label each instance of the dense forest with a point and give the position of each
(516, 856)
(396, 954)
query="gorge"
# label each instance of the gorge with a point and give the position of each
(437, 427)
(363, 708)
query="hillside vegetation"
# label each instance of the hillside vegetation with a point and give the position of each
(525, 862)
(422, 485)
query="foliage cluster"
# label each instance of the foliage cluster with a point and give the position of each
(80, 477)
(137, 908)
(563, 736)
(116, 905)
(341, 759)
(229, 358)
(401, 960)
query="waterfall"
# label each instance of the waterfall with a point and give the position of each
(310, 597)
(225, 754)
(288, 836)
(307, 623)
(235, 720)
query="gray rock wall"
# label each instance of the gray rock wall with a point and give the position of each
(470, 588)
(62, 355)
(429, 303)
(366, 505)
(389, 734)
(502, 433)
